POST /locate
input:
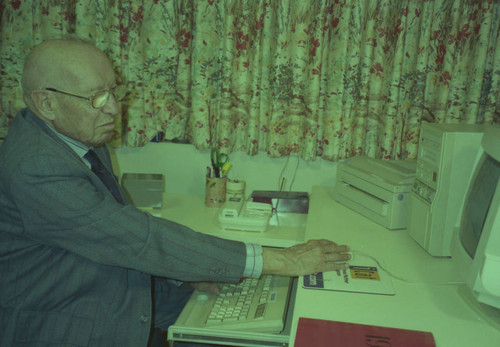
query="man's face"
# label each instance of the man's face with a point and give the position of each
(76, 118)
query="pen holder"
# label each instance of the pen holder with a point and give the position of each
(215, 191)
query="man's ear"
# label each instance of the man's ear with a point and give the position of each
(43, 103)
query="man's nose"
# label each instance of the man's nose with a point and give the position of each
(111, 107)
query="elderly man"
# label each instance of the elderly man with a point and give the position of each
(79, 265)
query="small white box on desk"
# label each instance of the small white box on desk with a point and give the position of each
(378, 189)
(237, 214)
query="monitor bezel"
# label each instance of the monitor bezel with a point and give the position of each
(480, 272)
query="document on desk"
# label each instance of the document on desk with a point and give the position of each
(363, 276)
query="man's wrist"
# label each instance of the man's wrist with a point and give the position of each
(275, 262)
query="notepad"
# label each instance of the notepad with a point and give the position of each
(364, 275)
(323, 333)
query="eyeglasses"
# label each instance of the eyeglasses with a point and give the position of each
(99, 99)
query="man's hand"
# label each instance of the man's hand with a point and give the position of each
(304, 259)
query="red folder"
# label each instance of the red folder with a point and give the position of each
(323, 333)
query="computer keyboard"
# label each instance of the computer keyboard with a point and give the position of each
(257, 305)
(252, 313)
(254, 304)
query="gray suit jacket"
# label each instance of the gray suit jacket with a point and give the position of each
(75, 265)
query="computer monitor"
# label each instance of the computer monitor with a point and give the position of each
(475, 248)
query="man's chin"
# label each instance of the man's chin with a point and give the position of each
(101, 140)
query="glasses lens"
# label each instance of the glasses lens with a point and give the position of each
(100, 99)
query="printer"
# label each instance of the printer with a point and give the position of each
(378, 189)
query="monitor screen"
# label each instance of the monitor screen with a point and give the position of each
(478, 203)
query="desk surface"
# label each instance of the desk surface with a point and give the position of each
(435, 308)
(284, 230)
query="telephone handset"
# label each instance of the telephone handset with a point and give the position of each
(238, 214)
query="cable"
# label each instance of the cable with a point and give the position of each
(281, 183)
(281, 179)
(400, 278)
(294, 173)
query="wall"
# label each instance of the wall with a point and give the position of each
(184, 168)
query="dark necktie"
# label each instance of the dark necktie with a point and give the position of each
(106, 177)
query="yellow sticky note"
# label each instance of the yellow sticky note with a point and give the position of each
(364, 273)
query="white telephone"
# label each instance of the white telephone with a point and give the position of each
(237, 214)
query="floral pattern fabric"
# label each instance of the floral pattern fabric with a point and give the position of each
(318, 78)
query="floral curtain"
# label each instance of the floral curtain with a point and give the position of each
(316, 78)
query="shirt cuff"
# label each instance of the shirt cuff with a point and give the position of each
(254, 262)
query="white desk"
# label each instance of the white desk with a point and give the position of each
(190, 210)
(438, 309)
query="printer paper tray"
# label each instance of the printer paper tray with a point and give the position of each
(363, 198)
